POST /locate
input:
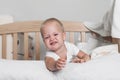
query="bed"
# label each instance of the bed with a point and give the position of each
(104, 64)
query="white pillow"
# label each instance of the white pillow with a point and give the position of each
(104, 50)
(91, 44)
(88, 46)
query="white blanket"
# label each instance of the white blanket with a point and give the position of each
(101, 68)
(24, 70)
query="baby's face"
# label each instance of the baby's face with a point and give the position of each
(53, 36)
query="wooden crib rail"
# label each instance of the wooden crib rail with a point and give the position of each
(34, 26)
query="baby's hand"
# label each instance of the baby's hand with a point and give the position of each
(77, 60)
(60, 63)
(86, 58)
(81, 60)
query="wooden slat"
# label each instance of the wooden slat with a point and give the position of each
(37, 45)
(71, 37)
(30, 26)
(83, 36)
(26, 26)
(15, 46)
(26, 46)
(74, 26)
(4, 46)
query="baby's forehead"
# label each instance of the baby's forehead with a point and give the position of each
(54, 25)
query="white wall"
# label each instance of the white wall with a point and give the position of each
(75, 10)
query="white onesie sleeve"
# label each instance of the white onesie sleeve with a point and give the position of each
(53, 55)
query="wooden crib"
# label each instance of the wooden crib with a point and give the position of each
(34, 26)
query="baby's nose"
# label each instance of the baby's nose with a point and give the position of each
(52, 37)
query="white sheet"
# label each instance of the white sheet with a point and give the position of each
(24, 70)
(102, 68)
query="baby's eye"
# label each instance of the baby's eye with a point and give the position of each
(55, 34)
(46, 37)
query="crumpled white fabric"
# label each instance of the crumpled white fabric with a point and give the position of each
(116, 19)
(110, 25)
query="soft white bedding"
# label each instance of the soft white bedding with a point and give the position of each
(24, 70)
(101, 67)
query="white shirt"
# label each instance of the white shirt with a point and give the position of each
(72, 50)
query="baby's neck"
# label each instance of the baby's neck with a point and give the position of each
(62, 52)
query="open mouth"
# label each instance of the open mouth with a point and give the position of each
(53, 43)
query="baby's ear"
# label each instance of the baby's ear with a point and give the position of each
(64, 35)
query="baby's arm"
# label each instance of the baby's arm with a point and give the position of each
(81, 57)
(53, 65)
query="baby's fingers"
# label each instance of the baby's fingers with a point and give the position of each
(76, 60)
(61, 61)
(87, 58)
(60, 64)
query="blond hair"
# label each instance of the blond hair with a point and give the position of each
(52, 20)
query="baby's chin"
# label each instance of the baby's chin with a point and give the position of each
(53, 48)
